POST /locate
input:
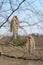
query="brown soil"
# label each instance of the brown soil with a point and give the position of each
(19, 52)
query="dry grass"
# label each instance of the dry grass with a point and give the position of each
(19, 52)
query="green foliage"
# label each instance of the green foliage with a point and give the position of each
(18, 41)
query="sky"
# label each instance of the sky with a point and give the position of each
(30, 11)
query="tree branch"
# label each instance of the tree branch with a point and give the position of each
(12, 13)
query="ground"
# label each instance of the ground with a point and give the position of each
(19, 52)
(10, 61)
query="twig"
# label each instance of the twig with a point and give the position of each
(12, 13)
